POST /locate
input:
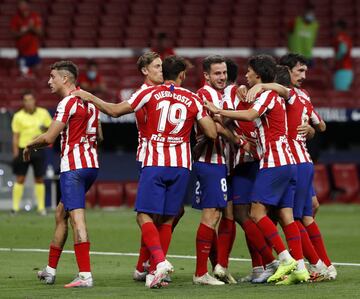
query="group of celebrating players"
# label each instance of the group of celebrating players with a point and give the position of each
(250, 160)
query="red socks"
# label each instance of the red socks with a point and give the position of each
(204, 238)
(271, 233)
(258, 242)
(54, 256)
(144, 255)
(151, 238)
(213, 251)
(225, 240)
(307, 247)
(256, 259)
(165, 233)
(318, 243)
(82, 253)
(293, 239)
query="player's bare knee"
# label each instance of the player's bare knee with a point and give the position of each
(20, 179)
(307, 220)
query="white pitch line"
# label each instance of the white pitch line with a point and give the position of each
(191, 257)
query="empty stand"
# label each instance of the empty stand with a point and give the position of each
(110, 194)
(130, 189)
(190, 23)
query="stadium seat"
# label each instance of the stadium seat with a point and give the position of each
(188, 42)
(192, 21)
(85, 33)
(169, 9)
(83, 43)
(321, 183)
(189, 32)
(194, 9)
(138, 33)
(64, 9)
(136, 42)
(110, 194)
(215, 41)
(130, 189)
(109, 43)
(346, 180)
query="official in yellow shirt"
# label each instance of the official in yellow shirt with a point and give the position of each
(28, 123)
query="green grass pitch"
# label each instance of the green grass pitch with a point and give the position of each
(116, 231)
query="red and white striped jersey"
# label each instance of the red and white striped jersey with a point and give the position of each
(171, 114)
(242, 128)
(299, 110)
(78, 139)
(272, 130)
(213, 151)
(140, 117)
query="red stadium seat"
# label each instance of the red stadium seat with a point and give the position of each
(138, 32)
(64, 9)
(187, 42)
(169, 9)
(109, 43)
(110, 194)
(217, 21)
(83, 43)
(194, 9)
(130, 189)
(346, 179)
(85, 33)
(107, 32)
(189, 32)
(136, 42)
(218, 41)
(192, 21)
(322, 183)
(89, 9)
(86, 21)
(138, 21)
(117, 9)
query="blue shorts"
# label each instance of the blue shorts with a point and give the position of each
(313, 193)
(162, 190)
(242, 182)
(303, 193)
(211, 186)
(275, 186)
(30, 61)
(74, 184)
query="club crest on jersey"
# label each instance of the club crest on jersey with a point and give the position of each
(225, 197)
